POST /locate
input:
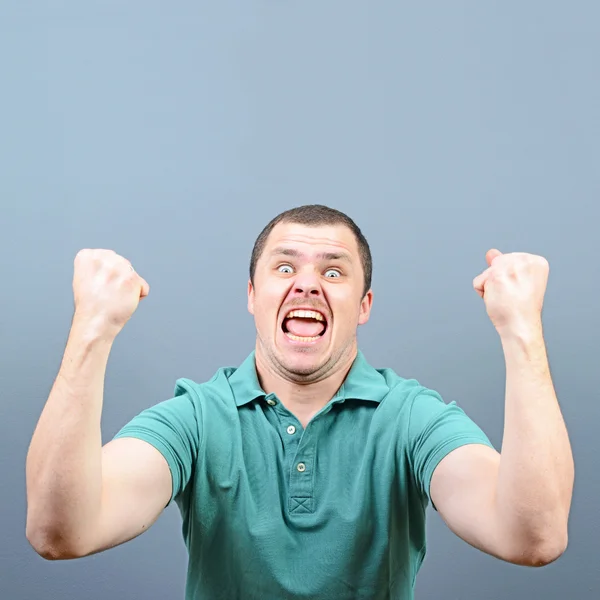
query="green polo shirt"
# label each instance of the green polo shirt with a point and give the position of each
(275, 511)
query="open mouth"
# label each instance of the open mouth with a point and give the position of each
(304, 325)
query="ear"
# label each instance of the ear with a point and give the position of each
(365, 308)
(250, 297)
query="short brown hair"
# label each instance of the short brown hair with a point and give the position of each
(316, 215)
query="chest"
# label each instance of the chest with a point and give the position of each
(272, 501)
(343, 464)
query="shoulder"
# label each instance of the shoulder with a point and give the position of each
(406, 391)
(419, 409)
(404, 402)
(202, 393)
(191, 387)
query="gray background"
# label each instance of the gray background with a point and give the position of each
(172, 132)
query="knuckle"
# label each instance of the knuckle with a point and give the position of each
(82, 254)
(126, 266)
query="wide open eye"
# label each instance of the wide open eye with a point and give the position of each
(332, 273)
(285, 269)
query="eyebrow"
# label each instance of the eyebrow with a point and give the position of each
(322, 255)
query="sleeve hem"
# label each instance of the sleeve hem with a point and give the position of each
(442, 452)
(151, 438)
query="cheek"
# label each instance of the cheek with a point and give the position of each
(266, 305)
(346, 310)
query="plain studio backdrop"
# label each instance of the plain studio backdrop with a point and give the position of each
(172, 132)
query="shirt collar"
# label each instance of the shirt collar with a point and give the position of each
(244, 382)
(363, 382)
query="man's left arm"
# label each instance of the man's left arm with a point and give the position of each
(514, 505)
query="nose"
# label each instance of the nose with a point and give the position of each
(306, 284)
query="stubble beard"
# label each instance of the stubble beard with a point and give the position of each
(277, 363)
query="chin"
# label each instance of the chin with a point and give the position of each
(302, 362)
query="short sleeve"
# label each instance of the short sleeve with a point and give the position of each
(172, 427)
(435, 429)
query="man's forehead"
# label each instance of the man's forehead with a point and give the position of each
(312, 239)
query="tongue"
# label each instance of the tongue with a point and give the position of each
(305, 327)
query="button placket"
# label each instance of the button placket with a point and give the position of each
(291, 437)
(288, 426)
(301, 490)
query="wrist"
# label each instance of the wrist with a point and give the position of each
(525, 339)
(522, 331)
(93, 329)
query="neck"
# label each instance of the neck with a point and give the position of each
(304, 399)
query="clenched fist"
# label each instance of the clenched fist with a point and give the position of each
(106, 289)
(513, 288)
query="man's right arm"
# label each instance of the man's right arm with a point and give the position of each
(83, 498)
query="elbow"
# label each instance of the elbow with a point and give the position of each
(48, 545)
(42, 546)
(544, 552)
(46, 551)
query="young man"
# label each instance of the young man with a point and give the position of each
(305, 472)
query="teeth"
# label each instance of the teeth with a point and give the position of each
(305, 314)
(297, 338)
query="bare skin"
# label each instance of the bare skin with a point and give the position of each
(82, 498)
(514, 505)
(309, 267)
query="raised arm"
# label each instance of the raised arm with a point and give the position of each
(514, 505)
(83, 498)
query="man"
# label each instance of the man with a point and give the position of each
(305, 472)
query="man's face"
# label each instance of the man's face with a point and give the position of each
(318, 272)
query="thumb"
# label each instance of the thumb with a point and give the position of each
(480, 281)
(491, 255)
(145, 290)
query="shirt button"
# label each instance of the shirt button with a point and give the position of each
(291, 430)
(271, 402)
(301, 467)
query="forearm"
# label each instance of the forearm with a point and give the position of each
(63, 469)
(536, 471)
